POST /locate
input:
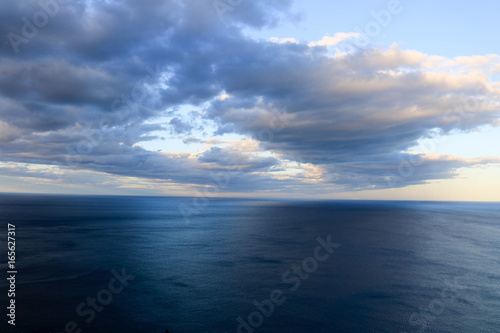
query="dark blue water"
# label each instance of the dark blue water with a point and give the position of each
(398, 266)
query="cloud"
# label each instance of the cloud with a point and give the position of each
(180, 126)
(92, 86)
(283, 40)
(237, 160)
(335, 39)
(354, 116)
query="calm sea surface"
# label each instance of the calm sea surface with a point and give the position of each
(135, 264)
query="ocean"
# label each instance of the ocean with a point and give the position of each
(142, 264)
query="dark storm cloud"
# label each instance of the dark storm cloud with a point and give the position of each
(82, 89)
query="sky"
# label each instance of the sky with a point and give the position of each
(237, 98)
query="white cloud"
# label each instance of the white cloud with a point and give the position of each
(283, 40)
(336, 39)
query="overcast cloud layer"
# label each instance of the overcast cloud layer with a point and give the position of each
(86, 89)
